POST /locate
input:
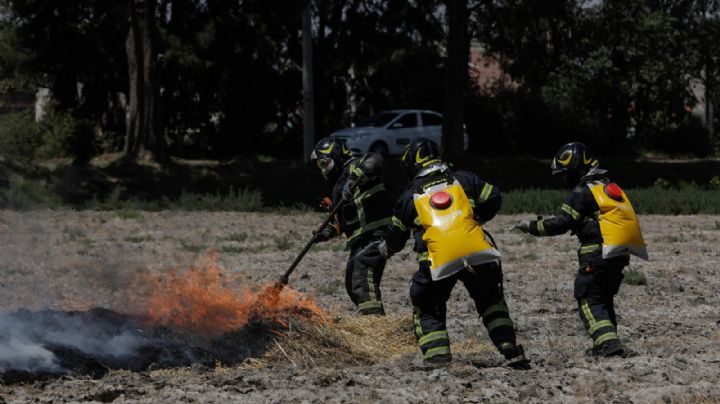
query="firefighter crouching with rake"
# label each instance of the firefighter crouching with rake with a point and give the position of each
(364, 217)
(445, 210)
(601, 215)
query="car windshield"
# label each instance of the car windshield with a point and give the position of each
(380, 119)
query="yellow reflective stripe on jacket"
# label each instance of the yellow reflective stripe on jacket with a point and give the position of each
(572, 212)
(485, 194)
(369, 192)
(433, 336)
(354, 169)
(441, 350)
(398, 223)
(423, 256)
(365, 227)
(370, 226)
(541, 227)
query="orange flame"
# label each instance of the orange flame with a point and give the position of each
(197, 300)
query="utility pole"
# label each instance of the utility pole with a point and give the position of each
(308, 93)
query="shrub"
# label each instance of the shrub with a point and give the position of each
(20, 136)
(194, 248)
(690, 136)
(662, 183)
(65, 136)
(283, 243)
(715, 183)
(243, 200)
(634, 277)
(688, 200)
(232, 249)
(23, 195)
(238, 237)
(138, 239)
(129, 213)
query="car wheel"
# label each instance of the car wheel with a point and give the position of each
(379, 148)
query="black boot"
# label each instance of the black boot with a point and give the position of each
(438, 361)
(607, 349)
(514, 355)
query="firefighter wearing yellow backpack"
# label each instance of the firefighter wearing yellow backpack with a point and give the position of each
(445, 210)
(599, 212)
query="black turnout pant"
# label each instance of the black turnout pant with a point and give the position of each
(429, 298)
(595, 288)
(363, 275)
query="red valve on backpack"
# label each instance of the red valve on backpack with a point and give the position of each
(614, 191)
(440, 200)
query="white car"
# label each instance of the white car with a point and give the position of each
(389, 132)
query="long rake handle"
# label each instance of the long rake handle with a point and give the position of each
(286, 276)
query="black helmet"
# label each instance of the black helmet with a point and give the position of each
(330, 153)
(419, 154)
(573, 158)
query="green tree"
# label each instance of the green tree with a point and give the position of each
(373, 55)
(70, 47)
(620, 71)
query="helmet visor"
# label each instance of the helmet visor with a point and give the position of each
(325, 165)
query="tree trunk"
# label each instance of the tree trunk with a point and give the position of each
(142, 139)
(308, 76)
(458, 55)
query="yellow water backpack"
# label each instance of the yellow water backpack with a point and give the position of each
(619, 224)
(453, 238)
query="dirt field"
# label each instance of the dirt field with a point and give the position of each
(77, 260)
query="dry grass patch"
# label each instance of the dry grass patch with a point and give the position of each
(591, 390)
(697, 399)
(350, 341)
(661, 345)
(472, 346)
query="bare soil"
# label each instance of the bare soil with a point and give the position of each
(66, 260)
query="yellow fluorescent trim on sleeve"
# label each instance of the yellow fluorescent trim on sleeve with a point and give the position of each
(398, 223)
(570, 211)
(485, 194)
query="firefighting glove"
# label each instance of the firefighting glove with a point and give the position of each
(325, 234)
(347, 190)
(523, 226)
(384, 250)
(326, 204)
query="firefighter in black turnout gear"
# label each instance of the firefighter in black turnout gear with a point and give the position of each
(364, 218)
(444, 209)
(601, 215)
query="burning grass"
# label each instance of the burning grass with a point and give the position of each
(205, 302)
(200, 315)
(187, 316)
